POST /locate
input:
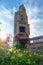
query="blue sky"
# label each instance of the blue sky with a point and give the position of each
(34, 9)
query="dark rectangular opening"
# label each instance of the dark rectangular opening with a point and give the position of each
(22, 29)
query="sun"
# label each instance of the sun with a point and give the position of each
(3, 36)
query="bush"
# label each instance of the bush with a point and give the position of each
(19, 45)
(13, 56)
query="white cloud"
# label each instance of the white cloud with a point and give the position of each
(14, 9)
(34, 20)
(6, 12)
(6, 18)
(6, 27)
(4, 23)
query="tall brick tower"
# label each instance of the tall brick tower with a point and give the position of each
(21, 27)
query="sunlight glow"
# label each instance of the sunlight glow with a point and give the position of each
(4, 37)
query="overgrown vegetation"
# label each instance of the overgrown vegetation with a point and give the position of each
(13, 56)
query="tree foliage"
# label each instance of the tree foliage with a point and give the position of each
(13, 56)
